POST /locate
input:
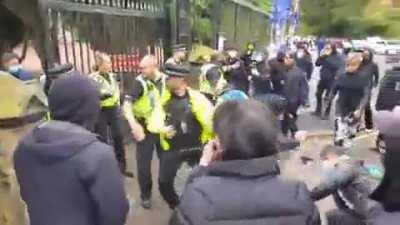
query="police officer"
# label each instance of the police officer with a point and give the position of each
(54, 73)
(179, 56)
(109, 119)
(211, 80)
(190, 114)
(143, 101)
(217, 89)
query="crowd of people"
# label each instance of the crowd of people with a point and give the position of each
(228, 129)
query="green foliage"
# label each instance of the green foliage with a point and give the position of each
(265, 5)
(344, 18)
(201, 16)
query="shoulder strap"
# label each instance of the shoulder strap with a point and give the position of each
(144, 83)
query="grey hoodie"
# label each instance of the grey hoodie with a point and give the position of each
(69, 177)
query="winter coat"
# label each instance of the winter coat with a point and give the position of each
(67, 177)
(296, 88)
(330, 66)
(278, 75)
(372, 212)
(305, 63)
(244, 192)
(262, 83)
(344, 183)
(370, 71)
(353, 92)
(238, 77)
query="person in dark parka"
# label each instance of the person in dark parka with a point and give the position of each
(353, 93)
(331, 63)
(238, 180)
(296, 93)
(278, 71)
(304, 61)
(66, 175)
(370, 71)
(235, 71)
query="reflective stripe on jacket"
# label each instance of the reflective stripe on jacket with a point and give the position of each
(107, 88)
(201, 108)
(149, 104)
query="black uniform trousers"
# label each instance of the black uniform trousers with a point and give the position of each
(324, 90)
(369, 123)
(144, 156)
(289, 122)
(170, 162)
(109, 122)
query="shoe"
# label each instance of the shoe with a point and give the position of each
(128, 174)
(339, 143)
(146, 203)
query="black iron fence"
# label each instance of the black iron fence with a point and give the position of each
(125, 29)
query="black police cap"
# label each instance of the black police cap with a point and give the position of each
(59, 70)
(177, 70)
(179, 47)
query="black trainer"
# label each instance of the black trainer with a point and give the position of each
(146, 203)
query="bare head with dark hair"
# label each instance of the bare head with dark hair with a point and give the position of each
(245, 130)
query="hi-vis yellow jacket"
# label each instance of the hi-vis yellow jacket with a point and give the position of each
(149, 103)
(107, 87)
(205, 85)
(201, 108)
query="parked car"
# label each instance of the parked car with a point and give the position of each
(393, 52)
(359, 44)
(377, 45)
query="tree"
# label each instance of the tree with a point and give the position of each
(344, 18)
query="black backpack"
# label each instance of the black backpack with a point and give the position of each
(389, 92)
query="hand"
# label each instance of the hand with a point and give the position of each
(138, 133)
(169, 132)
(209, 153)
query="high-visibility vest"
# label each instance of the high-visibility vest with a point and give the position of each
(107, 87)
(149, 103)
(202, 109)
(205, 85)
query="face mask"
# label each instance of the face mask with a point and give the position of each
(15, 69)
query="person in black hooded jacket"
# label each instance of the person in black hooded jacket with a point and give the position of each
(278, 71)
(353, 90)
(370, 71)
(238, 179)
(66, 175)
(331, 63)
(296, 94)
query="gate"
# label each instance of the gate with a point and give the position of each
(125, 29)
